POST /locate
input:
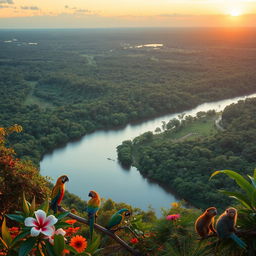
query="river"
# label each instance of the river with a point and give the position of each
(91, 163)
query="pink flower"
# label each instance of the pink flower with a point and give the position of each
(59, 231)
(173, 217)
(41, 224)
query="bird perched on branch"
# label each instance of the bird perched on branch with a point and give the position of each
(225, 226)
(204, 224)
(117, 218)
(93, 206)
(58, 192)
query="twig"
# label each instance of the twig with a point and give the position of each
(126, 227)
(103, 230)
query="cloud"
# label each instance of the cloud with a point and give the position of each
(79, 11)
(33, 8)
(6, 2)
(7, 6)
(83, 11)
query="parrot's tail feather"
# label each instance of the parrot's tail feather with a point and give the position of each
(91, 224)
(240, 242)
(54, 207)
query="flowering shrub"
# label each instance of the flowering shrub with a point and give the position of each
(173, 216)
(42, 234)
(17, 175)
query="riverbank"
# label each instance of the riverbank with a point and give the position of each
(185, 162)
(88, 167)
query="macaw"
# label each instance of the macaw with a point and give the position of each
(93, 206)
(58, 192)
(117, 218)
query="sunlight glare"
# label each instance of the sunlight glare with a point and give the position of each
(235, 12)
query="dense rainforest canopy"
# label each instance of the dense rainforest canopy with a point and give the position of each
(60, 85)
(185, 165)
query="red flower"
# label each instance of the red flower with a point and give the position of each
(70, 231)
(134, 240)
(14, 231)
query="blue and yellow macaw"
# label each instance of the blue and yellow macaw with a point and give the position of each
(93, 206)
(117, 218)
(58, 192)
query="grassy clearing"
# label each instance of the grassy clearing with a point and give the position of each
(32, 99)
(198, 128)
(204, 127)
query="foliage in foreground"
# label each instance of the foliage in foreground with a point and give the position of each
(17, 175)
(173, 234)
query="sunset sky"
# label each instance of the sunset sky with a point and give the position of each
(126, 13)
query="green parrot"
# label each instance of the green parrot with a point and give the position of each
(117, 218)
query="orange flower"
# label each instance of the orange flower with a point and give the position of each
(79, 243)
(70, 231)
(70, 221)
(134, 240)
(65, 251)
(175, 205)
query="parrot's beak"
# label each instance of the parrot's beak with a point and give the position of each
(127, 214)
(65, 179)
(90, 194)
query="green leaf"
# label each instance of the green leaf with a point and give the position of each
(62, 215)
(59, 244)
(253, 200)
(253, 181)
(15, 217)
(45, 206)
(70, 248)
(62, 225)
(18, 212)
(240, 180)
(32, 206)
(20, 236)
(6, 234)
(93, 246)
(50, 250)
(27, 246)
(239, 197)
(25, 206)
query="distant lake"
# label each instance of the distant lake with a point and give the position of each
(91, 163)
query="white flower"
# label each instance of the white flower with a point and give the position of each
(41, 224)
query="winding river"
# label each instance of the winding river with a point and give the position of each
(91, 163)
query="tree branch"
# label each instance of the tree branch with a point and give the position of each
(103, 230)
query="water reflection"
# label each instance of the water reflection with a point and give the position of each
(91, 163)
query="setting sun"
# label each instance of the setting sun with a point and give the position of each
(235, 12)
